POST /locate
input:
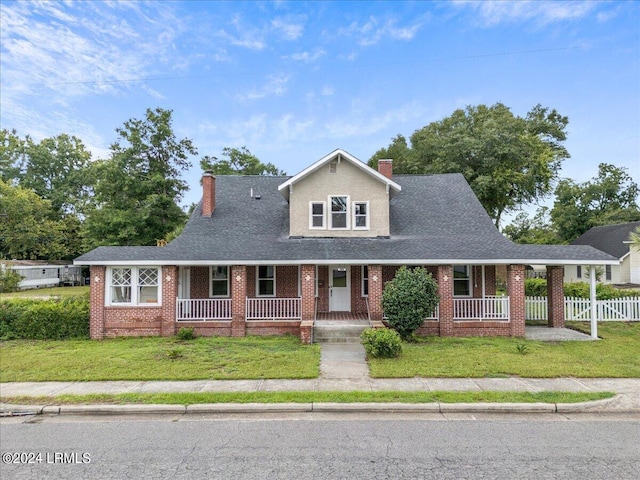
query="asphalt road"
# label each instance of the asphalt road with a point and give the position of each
(322, 446)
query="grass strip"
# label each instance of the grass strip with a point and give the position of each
(192, 398)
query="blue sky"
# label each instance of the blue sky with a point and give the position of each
(294, 81)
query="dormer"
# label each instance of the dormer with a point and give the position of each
(340, 196)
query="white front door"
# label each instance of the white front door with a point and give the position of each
(339, 288)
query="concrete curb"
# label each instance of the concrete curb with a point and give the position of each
(600, 406)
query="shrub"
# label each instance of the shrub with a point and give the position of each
(45, 319)
(9, 279)
(186, 333)
(381, 342)
(535, 287)
(408, 299)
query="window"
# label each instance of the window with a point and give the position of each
(579, 271)
(607, 272)
(266, 280)
(333, 167)
(365, 281)
(339, 217)
(360, 215)
(461, 281)
(134, 286)
(316, 214)
(219, 281)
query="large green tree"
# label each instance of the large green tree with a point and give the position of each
(610, 197)
(138, 188)
(508, 160)
(12, 150)
(536, 230)
(238, 161)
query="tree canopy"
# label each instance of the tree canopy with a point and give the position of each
(238, 161)
(509, 161)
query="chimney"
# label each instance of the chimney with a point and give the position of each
(385, 167)
(208, 193)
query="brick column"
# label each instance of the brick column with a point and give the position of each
(444, 278)
(308, 291)
(238, 300)
(375, 292)
(515, 291)
(169, 295)
(96, 301)
(555, 296)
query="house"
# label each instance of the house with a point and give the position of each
(42, 274)
(614, 240)
(270, 255)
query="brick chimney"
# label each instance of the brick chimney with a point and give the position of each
(385, 167)
(208, 193)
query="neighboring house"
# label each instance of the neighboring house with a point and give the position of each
(614, 240)
(269, 255)
(41, 274)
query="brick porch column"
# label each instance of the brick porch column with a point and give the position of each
(555, 296)
(96, 301)
(238, 300)
(515, 291)
(169, 295)
(375, 292)
(308, 291)
(444, 277)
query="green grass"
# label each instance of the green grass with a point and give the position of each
(617, 355)
(157, 359)
(47, 292)
(316, 397)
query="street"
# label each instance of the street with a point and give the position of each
(319, 446)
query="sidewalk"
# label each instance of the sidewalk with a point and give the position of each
(343, 368)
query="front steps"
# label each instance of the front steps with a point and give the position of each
(339, 331)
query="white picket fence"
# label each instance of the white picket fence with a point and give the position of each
(613, 310)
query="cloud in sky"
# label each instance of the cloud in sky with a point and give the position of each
(372, 31)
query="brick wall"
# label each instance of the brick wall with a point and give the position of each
(287, 281)
(515, 290)
(323, 288)
(555, 296)
(358, 302)
(199, 282)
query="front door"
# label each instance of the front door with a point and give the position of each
(339, 288)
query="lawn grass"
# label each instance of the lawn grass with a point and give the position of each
(158, 359)
(312, 397)
(47, 292)
(616, 355)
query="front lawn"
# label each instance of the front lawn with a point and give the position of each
(616, 355)
(47, 292)
(157, 359)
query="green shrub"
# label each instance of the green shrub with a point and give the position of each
(535, 287)
(186, 333)
(55, 319)
(408, 299)
(9, 279)
(381, 342)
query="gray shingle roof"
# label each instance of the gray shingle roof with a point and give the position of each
(434, 219)
(608, 238)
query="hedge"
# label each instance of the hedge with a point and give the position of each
(54, 319)
(537, 287)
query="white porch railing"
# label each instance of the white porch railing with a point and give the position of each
(616, 309)
(274, 309)
(202, 309)
(492, 308)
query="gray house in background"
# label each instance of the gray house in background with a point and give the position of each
(614, 240)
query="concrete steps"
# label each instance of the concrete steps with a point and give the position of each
(344, 333)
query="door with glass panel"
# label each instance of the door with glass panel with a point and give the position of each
(339, 288)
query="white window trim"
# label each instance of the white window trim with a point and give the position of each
(469, 283)
(353, 213)
(211, 295)
(362, 278)
(346, 213)
(324, 215)
(134, 287)
(258, 278)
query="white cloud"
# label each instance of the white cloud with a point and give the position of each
(307, 57)
(327, 91)
(290, 30)
(373, 31)
(244, 36)
(276, 85)
(361, 124)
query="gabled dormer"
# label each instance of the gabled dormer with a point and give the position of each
(340, 196)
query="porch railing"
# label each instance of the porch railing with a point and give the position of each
(492, 308)
(616, 309)
(274, 309)
(203, 309)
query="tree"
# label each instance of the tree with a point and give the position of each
(408, 299)
(609, 198)
(239, 161)
(635, 238)
(509, 161)
(138, 188)
(537, 230)
(12, 149)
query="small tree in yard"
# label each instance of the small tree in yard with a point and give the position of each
(408, 299)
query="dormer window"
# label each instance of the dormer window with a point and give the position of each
(339, 212)
(316, 216)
